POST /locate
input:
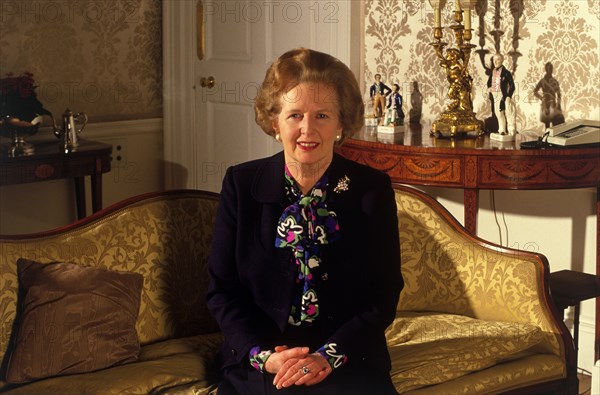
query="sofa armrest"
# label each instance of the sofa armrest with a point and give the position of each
(447, 269)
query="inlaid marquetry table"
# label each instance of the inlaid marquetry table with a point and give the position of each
(473, 163)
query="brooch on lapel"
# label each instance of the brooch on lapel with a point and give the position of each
(342, 185)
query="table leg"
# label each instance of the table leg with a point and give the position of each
(576, 329)
(96, 192)
(597, 342)
(471, 205)
(80, 197)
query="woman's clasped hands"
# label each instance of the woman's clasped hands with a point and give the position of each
(295, 366)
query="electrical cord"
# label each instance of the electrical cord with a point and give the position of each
(493, 204)
(540, 143)
(505, 228)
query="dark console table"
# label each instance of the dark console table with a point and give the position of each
(473, 163)
(50, 162)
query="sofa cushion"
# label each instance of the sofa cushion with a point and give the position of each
(73, 319)
(171, 367)
(503, 378)
(430, 348)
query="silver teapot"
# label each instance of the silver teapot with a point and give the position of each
(69, 132)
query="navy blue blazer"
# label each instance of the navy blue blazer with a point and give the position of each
(358, 282)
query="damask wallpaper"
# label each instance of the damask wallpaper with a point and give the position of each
(103, 57)
(550, 46)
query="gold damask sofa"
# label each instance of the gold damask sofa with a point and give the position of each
(473, 318)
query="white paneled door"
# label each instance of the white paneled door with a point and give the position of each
(210, 88)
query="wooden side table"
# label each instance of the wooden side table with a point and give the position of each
(50, 162)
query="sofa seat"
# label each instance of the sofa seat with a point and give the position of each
(430, 349)
(176, 366)
(505, 378)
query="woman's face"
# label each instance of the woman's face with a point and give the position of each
(308, 124)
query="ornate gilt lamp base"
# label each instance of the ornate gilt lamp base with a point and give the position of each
(454, 123)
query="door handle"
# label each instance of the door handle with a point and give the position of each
(207, 82)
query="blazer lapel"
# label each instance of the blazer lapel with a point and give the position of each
(267, 186)
(268, 190)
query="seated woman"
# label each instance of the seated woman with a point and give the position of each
(305, 263)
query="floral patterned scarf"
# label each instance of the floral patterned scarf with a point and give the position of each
(305, 226)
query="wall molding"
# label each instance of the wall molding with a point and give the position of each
(111, 129)
(179, 137)
(98, 130)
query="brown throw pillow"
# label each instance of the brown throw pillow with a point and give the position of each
(73, 319)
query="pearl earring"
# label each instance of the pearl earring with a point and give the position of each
(338, 137)
(278, 137)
